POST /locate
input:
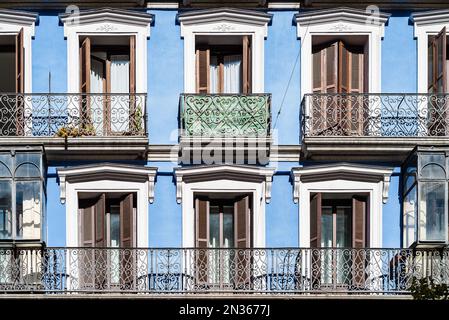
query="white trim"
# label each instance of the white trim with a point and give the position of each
(164, 5)
(106, 178)
(341, 21)
(224, 21)
(223, 179)
(426, 24)
(284, 5)
(107, 22)
(11, 22)
(342, 178)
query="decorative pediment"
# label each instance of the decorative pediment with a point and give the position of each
(106, 19)
(107, 171)
(430, 17)
(224, 19)
(17, 17)
(224, 172)
(342, 16)
(341, 171)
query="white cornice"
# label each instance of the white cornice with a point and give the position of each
(342, 14)
(105, 171)
(284, 5)
(430, 17)
(162, 5)
(224, 14)
(105, 15)
(229, 172)
(345, 171)
(18, 17)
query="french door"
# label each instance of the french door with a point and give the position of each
(222, 239)
(338, 235)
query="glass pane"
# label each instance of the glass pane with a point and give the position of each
(28, 157)
(27, 170)
(28, 210)
(432, 211)
(214, 227)
(409, 217)
(326, 227)
(214, 75)
(5, 210)
(432, 166)
(115, 226)
(430, 64)
(5, 165)
(228, 226)
(344, 227)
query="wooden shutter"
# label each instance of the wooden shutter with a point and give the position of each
(85, 68)
(202, 239)
(100, 241)
(132, 64)
(127, 256)
(246, 63)
(20, 85)
(203, 70)
(86, 209)
(437, 84)
(243, 237)
(359, 226)
(20, 53)
(315, 239)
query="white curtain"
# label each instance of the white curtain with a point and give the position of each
(233, 74)
(213, 71)
(119, 84)
(96, 102)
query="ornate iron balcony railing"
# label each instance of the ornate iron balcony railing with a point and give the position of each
(193, 271)
(225, 115)
(379, 115)
(72, 115)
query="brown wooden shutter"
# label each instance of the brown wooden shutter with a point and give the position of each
(246, 76)
(243, 237)
(359, 259)
(127, 222)
(85, 67)
(20, 53)
(132, 64)
(20, 84)
(128, 256)
(86, 209)
(437, 78)
(315, 239)
(315, 221)
(203, 70)
(202, 239)
(100, 226)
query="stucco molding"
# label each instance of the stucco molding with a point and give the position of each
(342, 178)
(107, 171)
(110, 22)
(344, 171)
(227, 172)
(338, 22)
(224, 21)
(427, 24)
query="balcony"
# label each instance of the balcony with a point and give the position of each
(225, 122)
(372, 126)
(78, 123)
(292, 271)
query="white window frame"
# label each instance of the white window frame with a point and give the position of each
(224, 21)
(341, 178)
(106, 22)
(108, 178)
(11, 22)
(341, 22)
(223, 179)
(427, 24)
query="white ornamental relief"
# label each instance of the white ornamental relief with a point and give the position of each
(341, 27)
(223, 27)
(106, 28)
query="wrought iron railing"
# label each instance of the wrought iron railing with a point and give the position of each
(193, 271)
(225, 115)
(380, 115)
(72, 114)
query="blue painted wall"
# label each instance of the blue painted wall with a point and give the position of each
(165, 83)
